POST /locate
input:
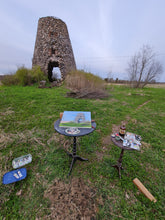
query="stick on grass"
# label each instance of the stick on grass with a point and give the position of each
(143, 189)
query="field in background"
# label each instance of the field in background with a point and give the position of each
(27, 116)
(154, 85)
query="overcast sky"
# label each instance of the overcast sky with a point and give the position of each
(104, 33)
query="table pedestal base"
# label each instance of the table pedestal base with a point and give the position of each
(74, 156)
(118, 166)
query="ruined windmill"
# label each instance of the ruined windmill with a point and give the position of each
(53, 48)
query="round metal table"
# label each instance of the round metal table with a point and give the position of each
(83, 131)
(119, 143)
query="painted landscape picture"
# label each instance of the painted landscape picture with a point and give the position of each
(76, 119)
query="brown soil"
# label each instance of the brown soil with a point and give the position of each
(88, 94)
(106, 140)
(73, 200)
(99, 155)
(116, 128)
(143, 104)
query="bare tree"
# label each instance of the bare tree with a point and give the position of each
(143, 68)
(109, 77)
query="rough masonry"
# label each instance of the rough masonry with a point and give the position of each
(53, 47)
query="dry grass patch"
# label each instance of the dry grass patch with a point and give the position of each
(130, 197)
(144, 146)
(5, 139)
(150, 169)
(73, 200)
(5, 163)
(134, 121)
(21, 137)
(116, 128)
(99, 155)
(143, 104)
(85, 85)
(106, 140)
(8, 112)
(54, 138)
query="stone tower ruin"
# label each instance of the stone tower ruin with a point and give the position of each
(53, 48)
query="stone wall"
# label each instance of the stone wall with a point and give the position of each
(53, 47)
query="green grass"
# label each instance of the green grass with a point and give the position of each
(27, 116)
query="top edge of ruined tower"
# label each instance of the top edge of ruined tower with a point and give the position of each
(49, 18)
(53, 47)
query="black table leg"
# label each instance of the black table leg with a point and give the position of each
(118, 166)
(74, 155)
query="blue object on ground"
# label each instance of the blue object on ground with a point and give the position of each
(14, 176)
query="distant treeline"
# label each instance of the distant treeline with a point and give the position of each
(117, 80)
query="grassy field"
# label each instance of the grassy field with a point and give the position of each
(94, 190)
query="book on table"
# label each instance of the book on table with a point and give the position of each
(76, 119)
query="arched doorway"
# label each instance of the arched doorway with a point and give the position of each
(54, 72)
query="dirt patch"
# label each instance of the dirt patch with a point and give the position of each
(74, 200)
(134, 121)
(143, 104)
(149, 168)
(5, 139)
(99, 155)
(130, 197)
(88, 94)
(116, 128)
(140, 94)
(124, 103)
(54, 138)
(7, 112)
(106, 140)
(144, 146)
